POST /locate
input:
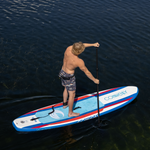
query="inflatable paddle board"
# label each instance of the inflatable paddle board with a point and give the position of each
(54, 116)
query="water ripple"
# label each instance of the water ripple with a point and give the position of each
(33, 37)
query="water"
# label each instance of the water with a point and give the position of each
(33, 37)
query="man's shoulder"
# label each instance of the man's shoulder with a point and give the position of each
(69, 47)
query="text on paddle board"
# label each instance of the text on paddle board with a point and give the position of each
(115, 95)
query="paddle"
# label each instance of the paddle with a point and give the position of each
(97, 85)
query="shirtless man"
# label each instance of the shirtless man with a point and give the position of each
(70, 62)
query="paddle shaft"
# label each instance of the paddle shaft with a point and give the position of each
(97, 84)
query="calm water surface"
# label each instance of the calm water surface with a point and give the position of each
(33, 37)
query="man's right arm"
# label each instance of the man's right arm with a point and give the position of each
(86, 71)
(89, 45)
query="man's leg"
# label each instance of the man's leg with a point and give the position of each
(65, 96)
(70, 103)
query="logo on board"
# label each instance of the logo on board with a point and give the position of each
(57, 114)
(115, 95)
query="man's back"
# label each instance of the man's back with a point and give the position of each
(70, 61)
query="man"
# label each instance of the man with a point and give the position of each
(70, 62)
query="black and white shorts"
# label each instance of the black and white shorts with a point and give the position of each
(68, 80)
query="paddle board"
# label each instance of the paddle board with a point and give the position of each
(54, 116)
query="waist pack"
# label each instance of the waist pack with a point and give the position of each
(66, 78)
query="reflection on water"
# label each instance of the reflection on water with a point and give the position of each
(68, 136)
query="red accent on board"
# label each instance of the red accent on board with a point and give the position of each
(119, 102)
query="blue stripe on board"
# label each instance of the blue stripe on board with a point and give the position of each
(29, 128)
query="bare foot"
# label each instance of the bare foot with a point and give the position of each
(73, 114)
(65, 106)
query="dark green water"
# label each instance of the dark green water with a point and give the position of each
(33, 37)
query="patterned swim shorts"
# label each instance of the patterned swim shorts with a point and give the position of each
(68, 80)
